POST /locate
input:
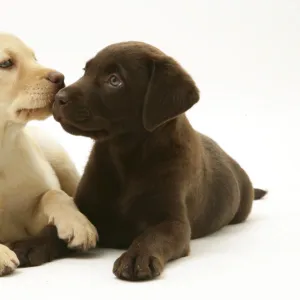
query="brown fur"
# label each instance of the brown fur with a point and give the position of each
(152, 182)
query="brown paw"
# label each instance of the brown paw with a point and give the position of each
(31, 252)
(38, 250)
(8, 261)
(135, 267)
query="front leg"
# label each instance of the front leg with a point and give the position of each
(72, 226)
(37, 250)
(147, 255)
(66, 229)
(8, 261)
(47, 246)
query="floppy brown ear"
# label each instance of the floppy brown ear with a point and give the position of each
(171, 92)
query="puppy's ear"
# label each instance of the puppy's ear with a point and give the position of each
(171, 92)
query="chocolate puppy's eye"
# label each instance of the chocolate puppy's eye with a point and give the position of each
(115, 81)
(6, 64)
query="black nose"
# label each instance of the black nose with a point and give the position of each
(62, 97)
(56, 77)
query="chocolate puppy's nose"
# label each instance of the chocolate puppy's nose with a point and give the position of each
(56, 77)
(62, 97)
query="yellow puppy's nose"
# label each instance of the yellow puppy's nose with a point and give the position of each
(56, 77)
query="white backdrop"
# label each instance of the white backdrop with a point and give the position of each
(245, 58)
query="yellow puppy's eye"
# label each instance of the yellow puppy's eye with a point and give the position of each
(6, 64)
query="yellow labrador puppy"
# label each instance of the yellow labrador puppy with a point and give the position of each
(37, 178)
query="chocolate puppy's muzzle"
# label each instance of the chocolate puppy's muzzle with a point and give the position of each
(62, 97)
(68, 110)
(66, 102)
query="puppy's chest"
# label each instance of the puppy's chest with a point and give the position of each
(24, 176)
(123, 216)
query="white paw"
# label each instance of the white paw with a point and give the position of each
(8, 261)
(77, 231)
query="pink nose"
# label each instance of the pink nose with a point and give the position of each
(56, 77)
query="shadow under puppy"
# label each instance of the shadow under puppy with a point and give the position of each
(37, 177)
(152, 182)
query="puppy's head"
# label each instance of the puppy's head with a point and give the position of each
(126, 87)
(27, 89)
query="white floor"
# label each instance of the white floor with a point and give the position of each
(256, 260)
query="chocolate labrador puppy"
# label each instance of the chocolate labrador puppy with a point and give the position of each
(152, 183)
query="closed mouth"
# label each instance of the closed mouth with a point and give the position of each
(30, 110)
(64, 122)
(77, 131)
(78, 125)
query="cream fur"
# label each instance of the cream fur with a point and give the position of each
(37, 177)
